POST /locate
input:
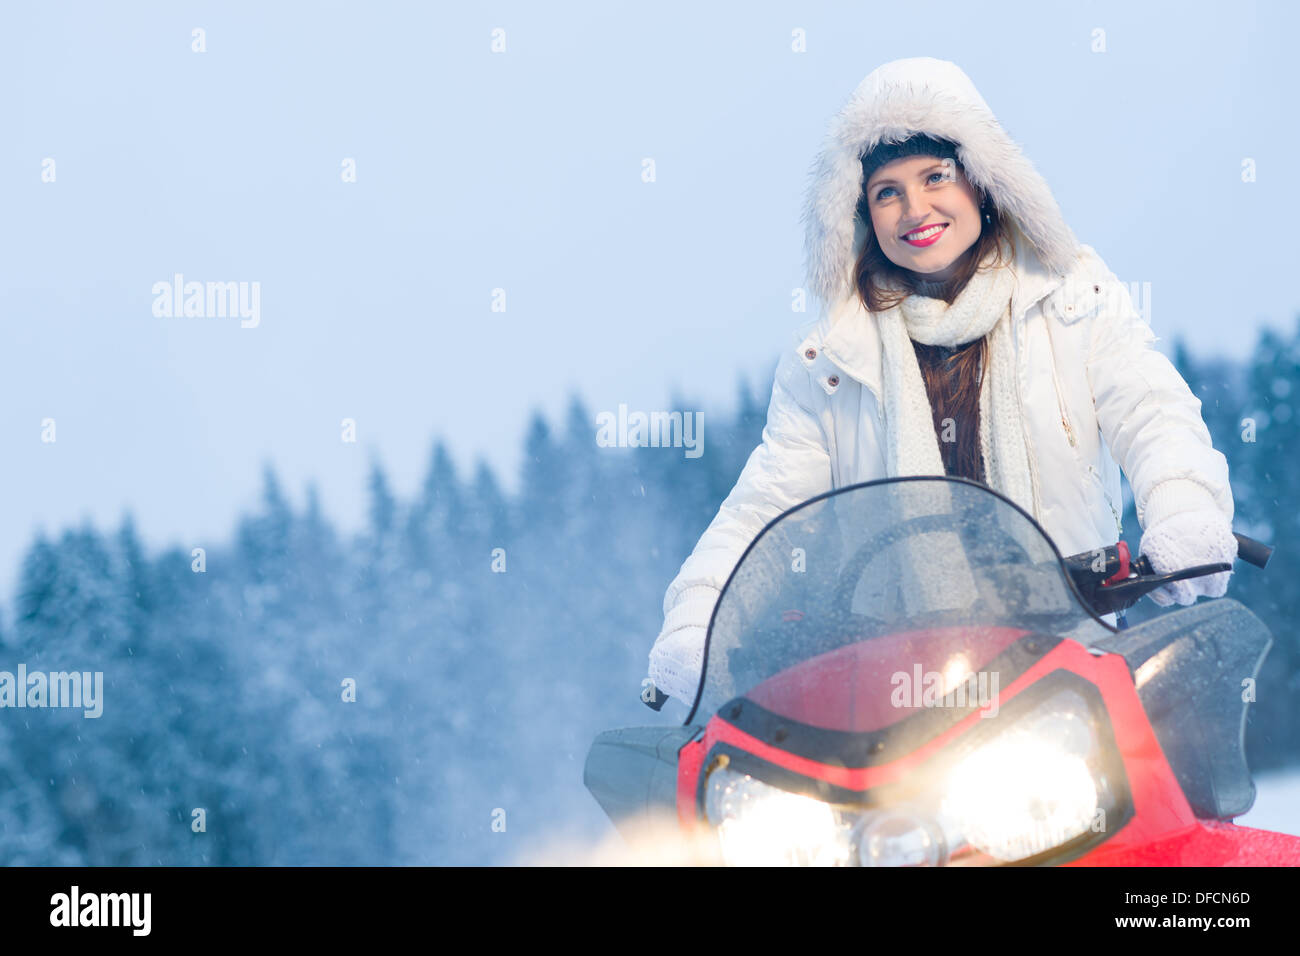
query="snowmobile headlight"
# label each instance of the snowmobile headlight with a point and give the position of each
(1032, 787)
(900, 838)
(1043, 782)
(761, 825)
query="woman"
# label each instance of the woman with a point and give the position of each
(963, 331)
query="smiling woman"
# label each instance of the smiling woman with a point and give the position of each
(965, 331)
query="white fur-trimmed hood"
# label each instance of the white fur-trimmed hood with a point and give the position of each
(897, 100)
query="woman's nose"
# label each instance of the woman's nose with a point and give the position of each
(915, 208)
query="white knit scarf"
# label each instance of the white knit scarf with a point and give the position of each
(983, 307)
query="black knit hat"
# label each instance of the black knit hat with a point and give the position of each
(918, 144)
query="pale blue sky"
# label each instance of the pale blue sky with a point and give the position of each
(522, 170)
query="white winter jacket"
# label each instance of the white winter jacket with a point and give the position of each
(1096, 393)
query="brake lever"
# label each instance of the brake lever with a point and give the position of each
(1119, 584)
(1124, 594)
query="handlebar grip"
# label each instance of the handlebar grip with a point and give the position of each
(1252, 551)
(656, 700)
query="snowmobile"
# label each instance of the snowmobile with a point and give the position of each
(907, 672)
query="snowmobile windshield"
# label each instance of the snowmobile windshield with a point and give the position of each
(926, 577)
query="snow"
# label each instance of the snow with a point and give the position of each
(1277, 803)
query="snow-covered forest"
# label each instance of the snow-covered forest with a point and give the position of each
(480, 675)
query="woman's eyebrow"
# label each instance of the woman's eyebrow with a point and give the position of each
(924, 172)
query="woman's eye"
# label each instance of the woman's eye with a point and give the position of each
(929, 182)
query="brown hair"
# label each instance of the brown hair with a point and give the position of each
(952, 378)
(952, 381)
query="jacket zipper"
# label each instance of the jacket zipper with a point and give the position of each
(1060, 407)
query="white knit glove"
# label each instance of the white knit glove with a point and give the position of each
(1183, 539)
(676, 661)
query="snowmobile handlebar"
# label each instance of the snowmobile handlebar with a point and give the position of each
(1110, 579)
(1252, 551)
(655, 699)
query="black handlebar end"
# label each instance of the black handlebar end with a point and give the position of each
(656, 699)
(1252, 551)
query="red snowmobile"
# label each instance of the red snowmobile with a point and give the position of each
(908, 673)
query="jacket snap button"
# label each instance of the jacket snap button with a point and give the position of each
(1096, 288)
(833, 381)
(810, 354)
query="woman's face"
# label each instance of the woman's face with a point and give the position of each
(911, 195)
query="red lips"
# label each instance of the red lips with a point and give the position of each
(929, 241)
